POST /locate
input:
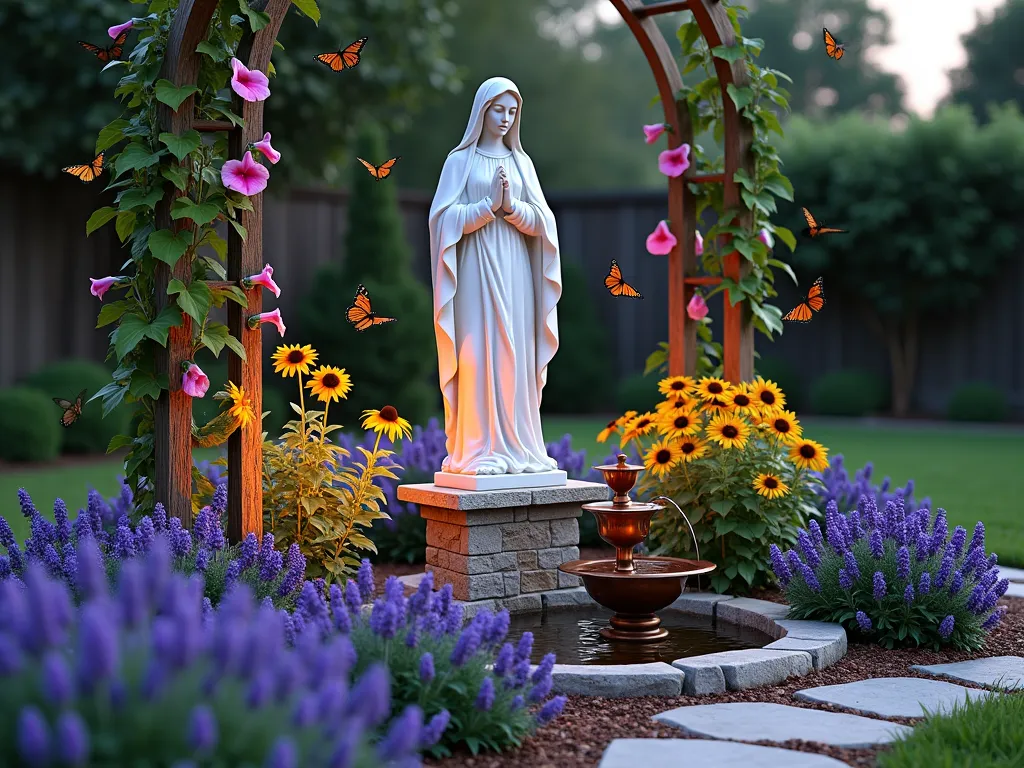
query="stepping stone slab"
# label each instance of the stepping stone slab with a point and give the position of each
(618, 680)
(893, 696)
(743, 721)
(739, 670)
(1013, 574)
(698, 753)
(1005, 672)
(1015, 590)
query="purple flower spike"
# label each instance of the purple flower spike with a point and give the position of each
(371, 696)
(908, 594)
(794, 562)
(808, 548)
(945, 569)
(504, 660)
(924, 586)
(33, 737)
(58, 687)
(524, 647)
(957, 583)
(903, 563)
(946, 627)
(485, 696)
(403, 736)
(434, 730)
(364, 579)
(957, 540)
(283, 754)
(879, 587)
(426, 668)
(850, 563)
(552, 709)
(816, 536)
(72, 740)
(846, 582)
(978, 537)
(876, 544)
(202, 729)
(863, 621)
(467, 645)
(994, 618)
(810, 579)
(779, 566)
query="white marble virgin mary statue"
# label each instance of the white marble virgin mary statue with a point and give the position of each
(496, 279)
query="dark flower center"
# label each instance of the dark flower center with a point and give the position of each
(677, 385)
(330, 381)
(688, 448)
(643, 423)
(741, 400)
(807, 451)
(781, 425)
(770, 483)
(296, 356)
(682, 422)
(729, 431)
(768, 397)
(715, 388)
(664, 456)
(612, 424)
(389, 413)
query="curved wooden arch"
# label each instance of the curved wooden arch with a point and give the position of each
(714, 24)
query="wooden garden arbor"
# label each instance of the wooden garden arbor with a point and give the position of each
(714, 24)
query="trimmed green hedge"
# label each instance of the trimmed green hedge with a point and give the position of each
(30, 427)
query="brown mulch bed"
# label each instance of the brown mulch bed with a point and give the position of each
(579, 737)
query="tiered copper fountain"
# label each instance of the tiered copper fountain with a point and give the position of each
(634, 587)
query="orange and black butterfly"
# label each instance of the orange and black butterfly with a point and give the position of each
(361, 315)
(382, 171)
(88, 172)
(72, 410)
(804, 311)
(617, 286)
(107, 55)
(833, 47)
(346, 58)
(814, 229)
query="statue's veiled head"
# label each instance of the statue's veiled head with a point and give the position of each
(500, 115)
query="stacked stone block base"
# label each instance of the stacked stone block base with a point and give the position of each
(502, 546)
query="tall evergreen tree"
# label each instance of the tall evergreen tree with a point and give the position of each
(393, 364)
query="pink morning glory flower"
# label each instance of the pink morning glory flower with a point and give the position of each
(264, 278)
(698, 244)
(653, 131)
(102, 285)
(674, 162)
(117, 29)
(263, 145)
(661, 241)
(268, 317)
(766, 237)
(250, 84)
(194, 382)
(245, 175)
(697, 309)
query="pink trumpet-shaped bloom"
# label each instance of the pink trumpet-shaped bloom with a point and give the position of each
(674, 162)
(117, 29)
(697, 309)
(264, 278)
(250, 84)
(653, 131)
(268, 317)
(194, 382)
(661, 241)
(766, 237)
(698, 244)
(263, 145)
(102, 285)
(245, 175)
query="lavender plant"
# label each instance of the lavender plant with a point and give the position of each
(838, 487)
(894, 576)
(151, 674)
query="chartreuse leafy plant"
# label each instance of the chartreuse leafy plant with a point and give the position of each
(737, 464)
(894, 576)
(145, 165)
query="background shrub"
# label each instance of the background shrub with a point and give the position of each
(848, 392)
(637, 393)
(787, 376)
(66, 378)
(977, 401)
(29, 425)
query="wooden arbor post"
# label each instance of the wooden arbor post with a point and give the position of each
(714, 24)
(173, 438)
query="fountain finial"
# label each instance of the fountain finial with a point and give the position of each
(620, 477)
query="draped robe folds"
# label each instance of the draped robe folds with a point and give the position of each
(496, 281)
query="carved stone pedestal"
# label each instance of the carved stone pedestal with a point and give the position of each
(502, 547)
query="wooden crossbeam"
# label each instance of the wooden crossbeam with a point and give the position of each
(666, 6)
(707, 178)
(213, 126)
(702, 280)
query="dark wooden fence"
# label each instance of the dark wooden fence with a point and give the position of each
(47, 313)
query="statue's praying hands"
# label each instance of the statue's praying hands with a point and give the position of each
(506, 193)
(498, 186)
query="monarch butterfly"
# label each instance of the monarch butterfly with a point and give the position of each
(814, 229)
(617, 286)
(833, 48)
(381, 171)
(71, 410)
(106, 55)
(347, 58)
(361, 315)
(802, 312)
(86, 173)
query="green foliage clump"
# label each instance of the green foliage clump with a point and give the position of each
(848, 392)
(396, 362)
(206, 408)
(977, 401)
(93, 431)
(29, 425)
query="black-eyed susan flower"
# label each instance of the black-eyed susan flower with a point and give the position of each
(662, 456)
(766, 394)
(292, 359)
(784, 425)
(609, 429)
(715, 406)
(675, 386)
(807, 454)
(691, 448)
(329, 383)
(739, 401)
(728, 430)
(387, 421)
(676, 424)
(241, 405)
(770, 486)
(637, 426)
(711, 388)
(683, 403)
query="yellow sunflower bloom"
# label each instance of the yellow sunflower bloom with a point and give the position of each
(625, 418)
(609, 429)
(241, 405)
(807, 454)
(770, 486)
(678, 423)
(728, 430)
(639, 425)
(766, 394)
(330, 383)
(784, 425)
(692, 448)
(683, 403)
(388, 422)
(662, 456)
(291, 359)
(710, 388)
(739, 401)
(675, 386)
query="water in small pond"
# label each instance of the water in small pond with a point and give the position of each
(573, 635)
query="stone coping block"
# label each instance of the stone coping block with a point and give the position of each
(751, 668)
(617, 680)
(430, 495)
(824, 653)
(699, 603)
(759, 614)
(893, 696)
(701, 753)
(1004, 672)
(758, 721)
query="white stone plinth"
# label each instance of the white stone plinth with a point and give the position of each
(554, 478)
